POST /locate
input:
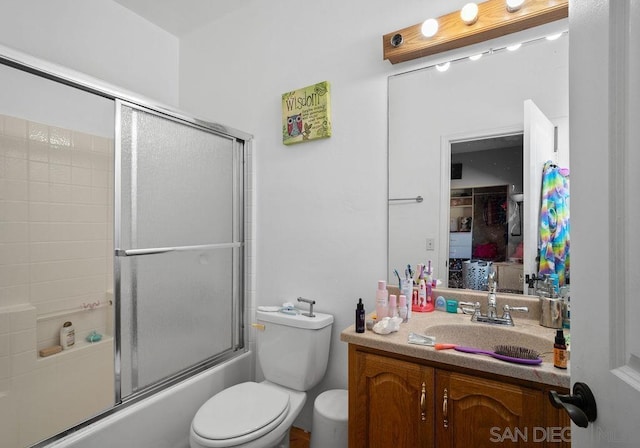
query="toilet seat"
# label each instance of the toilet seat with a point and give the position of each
(240, 414)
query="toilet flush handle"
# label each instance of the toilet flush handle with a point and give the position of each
(311, 303)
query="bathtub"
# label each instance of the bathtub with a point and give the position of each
(162, 420)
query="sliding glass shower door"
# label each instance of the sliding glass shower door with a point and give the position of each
(179, 244)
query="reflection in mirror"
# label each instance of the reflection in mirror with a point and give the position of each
(484, 220)
(431, 112)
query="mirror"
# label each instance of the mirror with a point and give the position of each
(431, 111)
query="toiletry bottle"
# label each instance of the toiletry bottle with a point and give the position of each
(407, 291)
(360, 317)
(422, 293)
(560, 351)
(393, 306)
(67, 335)
(382, 300)
(403, 308)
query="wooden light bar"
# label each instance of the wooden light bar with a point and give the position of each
(494, 20)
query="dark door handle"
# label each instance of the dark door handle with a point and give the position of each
(581, 406)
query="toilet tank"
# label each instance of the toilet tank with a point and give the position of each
(293, 350)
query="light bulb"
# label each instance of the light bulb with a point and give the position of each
(429, 27)
(514, 5)
(554, 36)
(469, 13)
(514, 47)
(475, 57)
(443, 67)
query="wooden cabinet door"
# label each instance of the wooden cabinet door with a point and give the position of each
(477, 412)
(390, 402)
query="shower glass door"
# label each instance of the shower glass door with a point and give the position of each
(179, 240)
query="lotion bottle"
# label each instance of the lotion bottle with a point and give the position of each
(403, 308)
(382, 301)
(393, 306)
(67, 335)
(360, 317)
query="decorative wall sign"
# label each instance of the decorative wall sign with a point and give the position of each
(306, 113)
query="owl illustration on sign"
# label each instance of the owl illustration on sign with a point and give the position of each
(294, 125)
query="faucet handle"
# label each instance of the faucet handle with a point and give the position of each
(506, 316)
(523, 309)
(466, 307)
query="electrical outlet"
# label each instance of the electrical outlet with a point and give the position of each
(431, 244)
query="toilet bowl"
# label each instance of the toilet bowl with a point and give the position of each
(247, 415)
(293, 351)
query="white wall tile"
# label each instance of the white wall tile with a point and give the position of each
(38, 152)
(16, 168)
(14, 211)
(81, 159)
(60, 174)
(4, 346)
(59, 155)
(60, 193)
(60, 138)
(14, 147)
(38, 171)
(38, 132)
(24, 319)
(14, 274)
(14, 190)
(13, 232)
(23, 341)
(80, 176)
(40, 191)
(39, 211)
(14, 253)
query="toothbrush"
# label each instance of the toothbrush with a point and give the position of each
(395, 271)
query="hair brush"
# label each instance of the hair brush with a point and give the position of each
(509, 353)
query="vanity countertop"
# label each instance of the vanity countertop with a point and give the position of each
(420, 323)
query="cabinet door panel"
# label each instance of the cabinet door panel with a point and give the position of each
(482, 413)
(394, 403)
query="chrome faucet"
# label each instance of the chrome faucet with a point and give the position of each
(492, 317)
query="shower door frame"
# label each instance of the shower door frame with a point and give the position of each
(238, 296)
(59, 74)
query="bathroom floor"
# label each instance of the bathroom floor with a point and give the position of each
(299, 438)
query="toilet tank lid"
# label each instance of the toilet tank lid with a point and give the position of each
(320, 320)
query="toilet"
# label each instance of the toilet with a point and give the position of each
(293, 351)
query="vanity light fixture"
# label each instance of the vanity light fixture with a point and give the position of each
(448, 32)
(514, 5)
(554, 36)
(443, 67)
(475, 57)
(514, 47)
(429, 27)
(469, 13)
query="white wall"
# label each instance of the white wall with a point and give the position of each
(97, 37)
(321, 206)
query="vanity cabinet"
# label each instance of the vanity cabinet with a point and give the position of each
(390, 402)
(397, 401)
(478, 412)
